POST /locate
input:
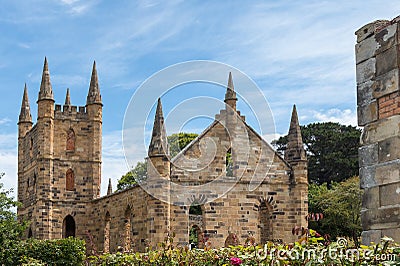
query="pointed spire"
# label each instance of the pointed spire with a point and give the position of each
(109, 189)
(158, 144)
(25, 114)
(230, 95)
(67, 98)
(295, 149)
(94, 89)
(46, 91)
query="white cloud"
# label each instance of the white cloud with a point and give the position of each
(4, 121)
(345, 117)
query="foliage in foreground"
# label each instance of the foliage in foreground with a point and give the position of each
(11, 230)
(337, 253)
(68, 251)
(341, 206)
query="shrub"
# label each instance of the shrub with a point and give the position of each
(68, 251)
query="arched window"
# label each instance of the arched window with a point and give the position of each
(68, 226)
(107, 233)
(265, 222)
(70, 146)
(196, 223)
(30, 234)
(229, 163)
(31, 148)
(70, 180)
(194, 236)
(127, 229)
(34, 183)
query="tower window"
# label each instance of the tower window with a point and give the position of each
(70, 180)
(229, 163)
(70, 146)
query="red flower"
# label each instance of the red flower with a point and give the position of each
(236, 261)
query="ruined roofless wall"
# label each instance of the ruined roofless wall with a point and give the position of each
(378, 108)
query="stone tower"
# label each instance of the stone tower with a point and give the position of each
(378, 109)
(59, 162)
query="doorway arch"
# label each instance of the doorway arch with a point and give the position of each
(68, 226)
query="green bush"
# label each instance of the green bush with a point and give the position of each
(68, 251)
(312, 253)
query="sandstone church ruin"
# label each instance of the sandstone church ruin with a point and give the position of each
(59, 175)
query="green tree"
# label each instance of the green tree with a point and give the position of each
(341, 206)
(138, 174)
(332, 151)
(179, 141)
(133, 177)
(11, 229)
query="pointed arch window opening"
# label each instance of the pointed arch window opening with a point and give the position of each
(229, 163)
(127, 229)
(265, 222)
(107, 226)
(31, 148)
(69, 227)
(30, 234)
(70, 144)
(70, 180)
(196, 223)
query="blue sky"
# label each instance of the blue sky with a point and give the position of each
(298, 52)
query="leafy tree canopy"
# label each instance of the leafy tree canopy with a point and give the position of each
(341, 206)
(179, 141)
(332, 151)
(11, 230)
(138, 174)
(133, 177)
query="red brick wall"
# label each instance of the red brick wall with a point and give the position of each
(389, 105)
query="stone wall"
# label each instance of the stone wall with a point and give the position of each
(378, 108)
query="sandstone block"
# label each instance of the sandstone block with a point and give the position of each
(386, 61)
(388, 173)
(367, 177)
(386, 38)
(368, 155)
(388, 149)
(367, 113)
(366, 70)
(371, 198)
(393, 233)
(382, 218)
(370, 236)
(365, 93)
(369, 29)
(366, 49)
(384, 85)
(381, 130)
(390, 194)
